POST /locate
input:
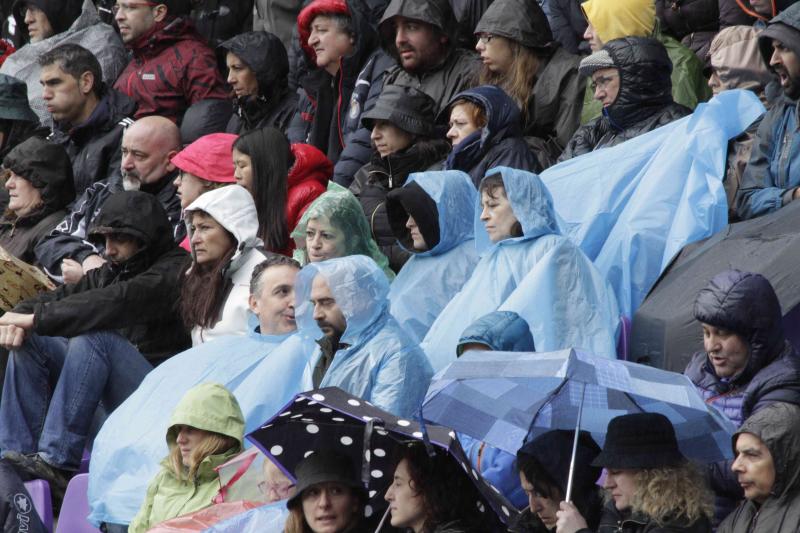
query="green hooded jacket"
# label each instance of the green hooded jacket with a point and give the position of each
(210, 407)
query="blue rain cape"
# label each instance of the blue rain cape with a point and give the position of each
(264, 372)
(429, 280)
(382, 364)
(633, 206)
(542, 276)
(264, 519)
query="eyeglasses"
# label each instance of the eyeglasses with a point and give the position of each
(127, 7)
(485, 38)
(275, 490)
(603, 81)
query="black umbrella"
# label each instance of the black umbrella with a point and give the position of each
(665, 333)
(333, 419)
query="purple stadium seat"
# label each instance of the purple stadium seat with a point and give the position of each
(75, 508)
(39, 491)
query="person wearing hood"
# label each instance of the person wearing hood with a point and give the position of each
(405, 140)
(222, 227)
(363, 350)
(40, 188)
(431, 216)
(205, 431)
(284, 180)
(484, 128)
(521, 56)
(258, 70)
(772, 176)
(88, 117)
(615, 19)
(767, 465)
(93, 340)
(172, 67)
(524, 258)
(736, 63)
(18, 122)
(147, 147)
(631, 78)
(41, 19)
(544, 468)
(746, 362)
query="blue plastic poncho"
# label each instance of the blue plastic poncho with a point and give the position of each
(262, 519)
(633, 206)
(542, 276)
(262, 371)
(382, 364)
(429, 280)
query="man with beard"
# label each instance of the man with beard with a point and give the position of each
(147, 147)
(772, 177)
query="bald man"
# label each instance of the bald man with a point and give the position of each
(147, 147)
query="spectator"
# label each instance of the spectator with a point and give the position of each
(614, 19)
(17, 119)
(204, 118)
(520, 56)
(736, 64)
(484, 128)
(88, 117)
(432, 217)
(771, 178)
(765, 10)
(205, 431)
(334, 226)
(544, 470)
(746, 362)
(432, 493)
(41, 19)
(92, 340)
(734, 13)
(363, 351)
(40, 187)
(767, 465)
(86, 30)
(278, 17)
(652, 485)
(694, 22)
(258, 70)
(329, 496)
(630, 77)
(222, 231)
(147, 147)
(283, 179)
(172, 68)
(405, 140)
(568, 24)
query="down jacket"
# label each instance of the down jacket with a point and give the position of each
(308, 178)
(643, 104)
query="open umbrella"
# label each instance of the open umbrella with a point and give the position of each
(330, 418)
(506, 398)
(665, 333)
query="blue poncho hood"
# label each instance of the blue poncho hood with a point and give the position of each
(501, 331)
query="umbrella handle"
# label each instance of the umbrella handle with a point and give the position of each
(568, 496)
(383, 520)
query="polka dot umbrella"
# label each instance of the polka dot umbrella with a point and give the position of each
(333, 419)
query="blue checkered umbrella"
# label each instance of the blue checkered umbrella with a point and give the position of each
(505, 398)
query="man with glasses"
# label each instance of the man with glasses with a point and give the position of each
(172, 68)
(631, 80)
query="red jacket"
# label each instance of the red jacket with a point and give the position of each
(308, 178)
(172, 68)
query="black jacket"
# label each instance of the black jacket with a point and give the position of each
(693, 22)
(643, 104)
(275, 104)
(568, 24)
(94, 146)
(137, 298)
(614, 521)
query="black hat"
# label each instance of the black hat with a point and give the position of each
(14, 100)
(640, 440)
(325, 467)
(413, 200)
(408, 108)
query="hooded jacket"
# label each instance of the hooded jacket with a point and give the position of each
(137, 297)
(60, 13)
(773, 171)
(777, 427)
(209, 407)
(14, 107)
(233, 209)
(94, 146)
(644, 101)
(499, 143)
(694, 22)
(514, 272)
(307, 180)
(171, 68)
(47, 167)
(275, 104)
(377, 360)
(430, 279)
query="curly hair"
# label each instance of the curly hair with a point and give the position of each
(663, 492)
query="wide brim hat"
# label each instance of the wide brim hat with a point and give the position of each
(639, 441)
(325, 467)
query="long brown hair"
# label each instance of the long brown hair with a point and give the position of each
(212, 444)
(518, 82)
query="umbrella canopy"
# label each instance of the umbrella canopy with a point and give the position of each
(531, 393)
(332, 419)
(665, 333)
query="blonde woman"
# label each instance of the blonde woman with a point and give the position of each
(650, 484)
